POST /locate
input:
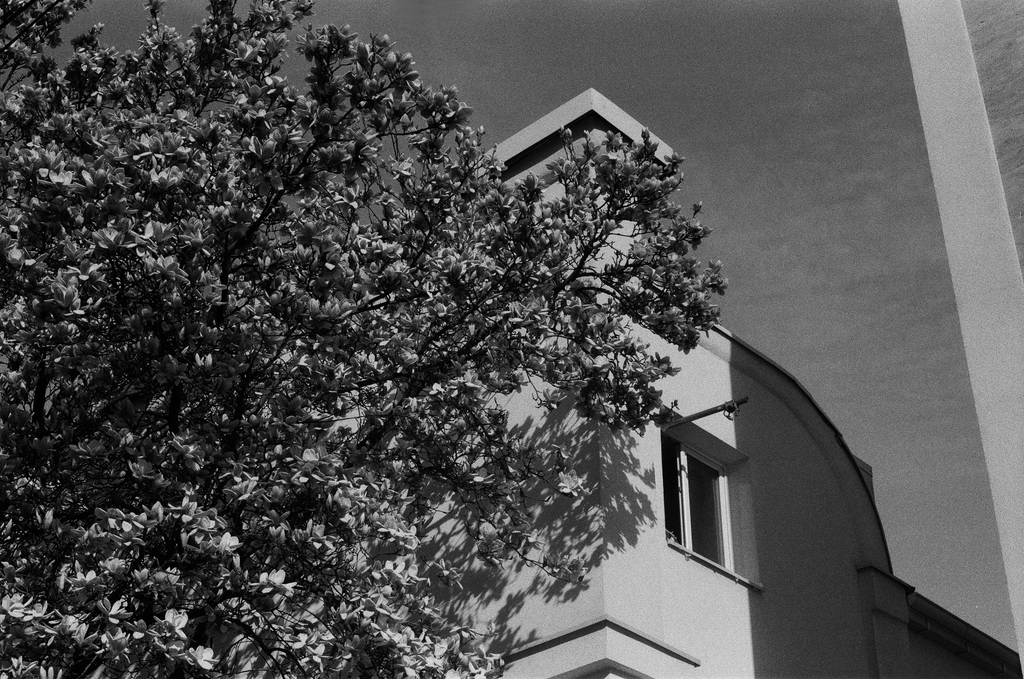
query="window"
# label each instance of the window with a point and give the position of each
(696, 502)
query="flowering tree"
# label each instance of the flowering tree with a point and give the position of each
(252, 336)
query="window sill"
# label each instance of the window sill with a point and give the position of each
(718, 568)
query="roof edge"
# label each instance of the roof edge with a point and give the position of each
(961, 637)
(588, 101)
(729, 336)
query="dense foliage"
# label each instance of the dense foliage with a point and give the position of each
(251, 334)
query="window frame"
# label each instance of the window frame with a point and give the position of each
(681, 452)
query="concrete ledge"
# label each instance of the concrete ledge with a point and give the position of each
(884, 593)
(602, 644)
(718, 568)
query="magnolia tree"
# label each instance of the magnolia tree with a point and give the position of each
(253, 336)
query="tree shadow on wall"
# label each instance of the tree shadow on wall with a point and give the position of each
(519, 603)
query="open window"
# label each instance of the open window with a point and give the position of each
(709, 503)
(696, 502)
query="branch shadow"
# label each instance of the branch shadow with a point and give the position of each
(519, 603)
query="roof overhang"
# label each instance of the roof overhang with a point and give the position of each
(590, 102)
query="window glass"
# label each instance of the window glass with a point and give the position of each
(694, 496)
(673, 498)
(704, 508)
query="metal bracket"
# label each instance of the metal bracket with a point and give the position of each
(729, 408)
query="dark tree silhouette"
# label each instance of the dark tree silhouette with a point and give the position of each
(252, 335)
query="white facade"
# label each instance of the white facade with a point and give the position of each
(800, 583)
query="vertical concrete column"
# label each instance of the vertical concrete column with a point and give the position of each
(634, 539)
(983, 260)
(886, 635)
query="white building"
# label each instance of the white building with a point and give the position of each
(720, 547)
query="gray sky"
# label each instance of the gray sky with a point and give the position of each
(800, 127)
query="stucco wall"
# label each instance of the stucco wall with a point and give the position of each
(812, 596)
(522, 603)
(813, 525)
(804, 495)
(929, 661)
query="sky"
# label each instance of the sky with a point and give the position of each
(802, 135)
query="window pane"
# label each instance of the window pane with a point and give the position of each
(705, 522)
(670, 474)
